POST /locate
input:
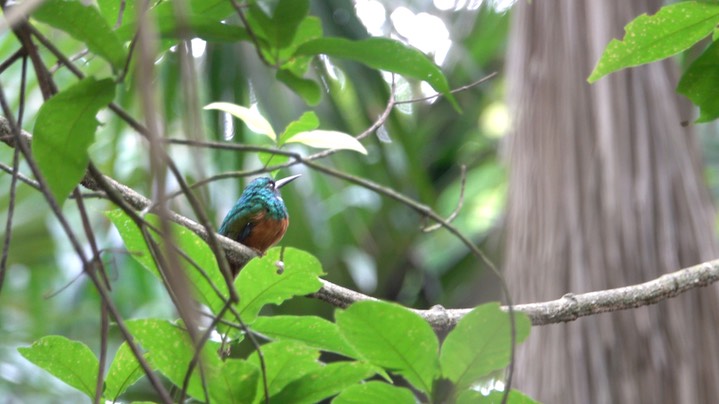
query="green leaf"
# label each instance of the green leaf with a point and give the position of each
(311, 330)
(391, 336)
(65, 129)
(250, 116)
(277, 20)
(700, 83)
(285, 361)
(310, 28)
(189, 243)
(111, 9)
(308, 121)
(324, 382)
(124, 371)
(86, 24)
(328, 139)
(494, 397)
(170, 350)
(193, 25)
(374, 392)
(672, 29)
(308, 89)
(384, 54)
(133, 240)
(480, 344)
(259, 282)
(70, 361)
(234, 381)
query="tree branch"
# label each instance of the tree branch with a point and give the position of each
(567, 308)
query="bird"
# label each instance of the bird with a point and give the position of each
(259, 218)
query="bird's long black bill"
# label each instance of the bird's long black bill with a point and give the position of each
(284, 181)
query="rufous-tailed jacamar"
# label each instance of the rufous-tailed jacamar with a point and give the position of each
(259, 218)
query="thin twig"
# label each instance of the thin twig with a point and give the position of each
(12, 59)
(456, 90)
(253, 37)
(13, 181)
(96, 262)
(460, 202)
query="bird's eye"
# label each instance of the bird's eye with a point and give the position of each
(271, 185)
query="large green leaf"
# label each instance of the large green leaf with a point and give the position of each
(700, 83)
(671, 30)
(308, 121)
(324, 382)
(189, 243)
(494, 397)
(171, 351)
(384, 54)
(391, 336)
(277, 20)
(311, 330)
(250, 116)
(260, 282)
(65, 129)
(124, 371)
(328, 139)
(480, 344)
(86, 24)
(70, 361)
(285, 361)
(234, 382)
(308, 89)
(193, 25)
(375, 392)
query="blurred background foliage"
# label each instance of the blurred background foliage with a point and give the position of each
(364, 241)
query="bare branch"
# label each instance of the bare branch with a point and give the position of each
(460, 202)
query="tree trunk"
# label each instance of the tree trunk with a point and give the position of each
(605, 190)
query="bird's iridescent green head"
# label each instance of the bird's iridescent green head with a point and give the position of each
(264, 192)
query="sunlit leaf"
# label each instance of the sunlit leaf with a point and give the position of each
(260, 282)
(124, 371)
(494, 397)
(324, 382)
(250, 116)
(393, 337)
(285, 361)
(70, 361)
(308, 121)
(171, 351)
(375, 392)
(328, 139)
(480, 344)
(86, 24)
(672, 29)
(189, 243)
(700, 83)
(311, 330)
(384, 54)
(234, 381)
(65, 129)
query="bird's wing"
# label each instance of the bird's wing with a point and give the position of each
(238, 225)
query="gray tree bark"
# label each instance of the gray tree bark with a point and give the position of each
(605, 190)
